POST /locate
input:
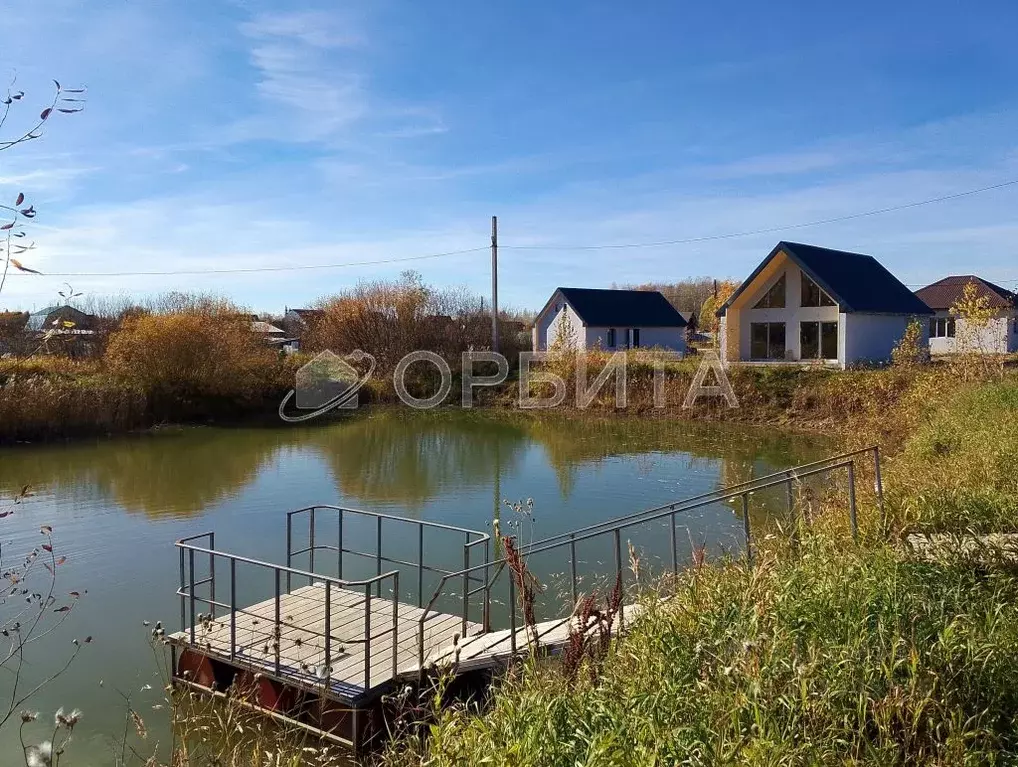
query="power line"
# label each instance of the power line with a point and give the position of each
(253, 269)
(768, 230)
(614, 246)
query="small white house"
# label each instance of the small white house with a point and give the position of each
(950, 334)
(586, 318)
(806, 304)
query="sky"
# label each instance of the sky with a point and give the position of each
(244, 135)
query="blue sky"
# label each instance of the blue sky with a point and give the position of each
(226, 135)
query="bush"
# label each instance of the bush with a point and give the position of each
(193, 354)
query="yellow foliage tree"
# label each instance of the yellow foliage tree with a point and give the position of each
(192, 353)
(974, 341)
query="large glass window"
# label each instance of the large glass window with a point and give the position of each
(809, 340)
(812, 295)
(829, 340)
(767, 340)
(818, 340)
(611, 338)
(636, 338)
(942, 327)
(775, 297)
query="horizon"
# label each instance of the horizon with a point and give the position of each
(238, 137)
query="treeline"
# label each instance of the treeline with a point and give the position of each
(185, 357)
(390, 318)
(699, 295)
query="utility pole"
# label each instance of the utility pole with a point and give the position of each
(494, 283)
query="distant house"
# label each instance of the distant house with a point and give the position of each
(297, 321)
(266, 329)
(999, 337)
(804, 303)
(62, 328)
(61, 320)
(609, 320)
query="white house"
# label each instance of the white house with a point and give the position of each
(951, 334)
(809, 304)
(586, 318)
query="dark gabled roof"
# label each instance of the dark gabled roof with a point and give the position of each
(633, 308)
(945, 293)
(859, 283)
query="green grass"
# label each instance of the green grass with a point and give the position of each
(959, 469)
(838, 657)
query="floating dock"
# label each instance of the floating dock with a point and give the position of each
(322, 646)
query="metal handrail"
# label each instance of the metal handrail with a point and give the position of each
(188, 598)
(615, 527)
(720, 494)
(471, 539)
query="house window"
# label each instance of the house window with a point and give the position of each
(627, 338)
(942, 327)
(767, 340)
(636, 338)
(812, 294)
(775, 297)
(611, 338)
(818, 340)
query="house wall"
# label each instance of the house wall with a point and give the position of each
(673, 339)
(861, 337)
(871, 337)
(791, 315)
(999, 337)
(546, 327)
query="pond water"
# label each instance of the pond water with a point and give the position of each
(117, 505)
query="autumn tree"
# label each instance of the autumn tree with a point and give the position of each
(977, 337)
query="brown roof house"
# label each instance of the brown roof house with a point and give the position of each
(949, 334)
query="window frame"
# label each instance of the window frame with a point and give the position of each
(772, 293)
(943, 327)
(610, 338)
(636, 338)
(822, 298)
(820, 326)
(769, 341)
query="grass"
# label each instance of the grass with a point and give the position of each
(957, 471)
(837, 657)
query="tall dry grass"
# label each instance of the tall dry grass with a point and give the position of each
(840, 656)
(180, 358)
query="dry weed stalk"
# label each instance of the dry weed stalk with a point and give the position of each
(590, 633)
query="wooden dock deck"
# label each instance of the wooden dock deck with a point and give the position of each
(355, 668)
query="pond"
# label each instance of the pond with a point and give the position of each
(117, 505)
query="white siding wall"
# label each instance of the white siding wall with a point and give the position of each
(673, 339)
(998, 338)
(871, 337)
(546, 328)
(791, 315)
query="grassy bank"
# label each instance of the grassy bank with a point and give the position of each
(169, 371)
(177, 368)
(840, 654)
(836, 657)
